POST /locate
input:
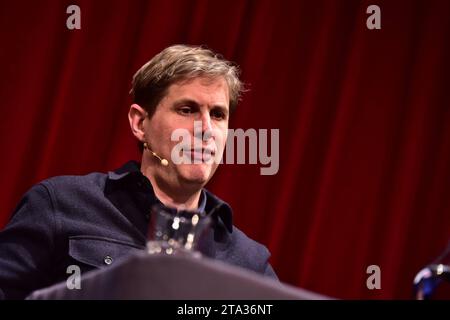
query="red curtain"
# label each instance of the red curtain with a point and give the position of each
(363, 118)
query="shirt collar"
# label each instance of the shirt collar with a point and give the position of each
(208, 203)
(202, 202)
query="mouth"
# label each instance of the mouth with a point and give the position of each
(201, 154)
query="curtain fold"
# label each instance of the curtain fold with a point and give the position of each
(363, 118)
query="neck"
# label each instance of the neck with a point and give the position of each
(172, 198)
(177, 195)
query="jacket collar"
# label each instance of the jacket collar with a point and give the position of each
(219, 209)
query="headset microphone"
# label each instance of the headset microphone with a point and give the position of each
(163, 161)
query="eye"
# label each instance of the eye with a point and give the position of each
(218, 114)
(185, 110)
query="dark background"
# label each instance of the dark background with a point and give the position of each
(363, 118)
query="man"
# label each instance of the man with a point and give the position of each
(93, 220)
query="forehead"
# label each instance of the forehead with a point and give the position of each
(203, 90)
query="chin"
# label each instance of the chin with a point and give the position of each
(197, 173)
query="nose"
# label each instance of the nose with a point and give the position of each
(206, 122)
(206, 127)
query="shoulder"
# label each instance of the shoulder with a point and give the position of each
(243, 251)
(253, 250)
(92, 180)
(234, 246)
(59, 190)
(46, 193)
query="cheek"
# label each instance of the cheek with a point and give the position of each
(220, 138)
(160, 139)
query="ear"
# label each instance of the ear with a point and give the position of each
(136, 116)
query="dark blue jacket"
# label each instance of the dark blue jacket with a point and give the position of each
(94, 220)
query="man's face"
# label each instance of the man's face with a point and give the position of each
(199, 99)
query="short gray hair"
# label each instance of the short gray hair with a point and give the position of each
(178, 63)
